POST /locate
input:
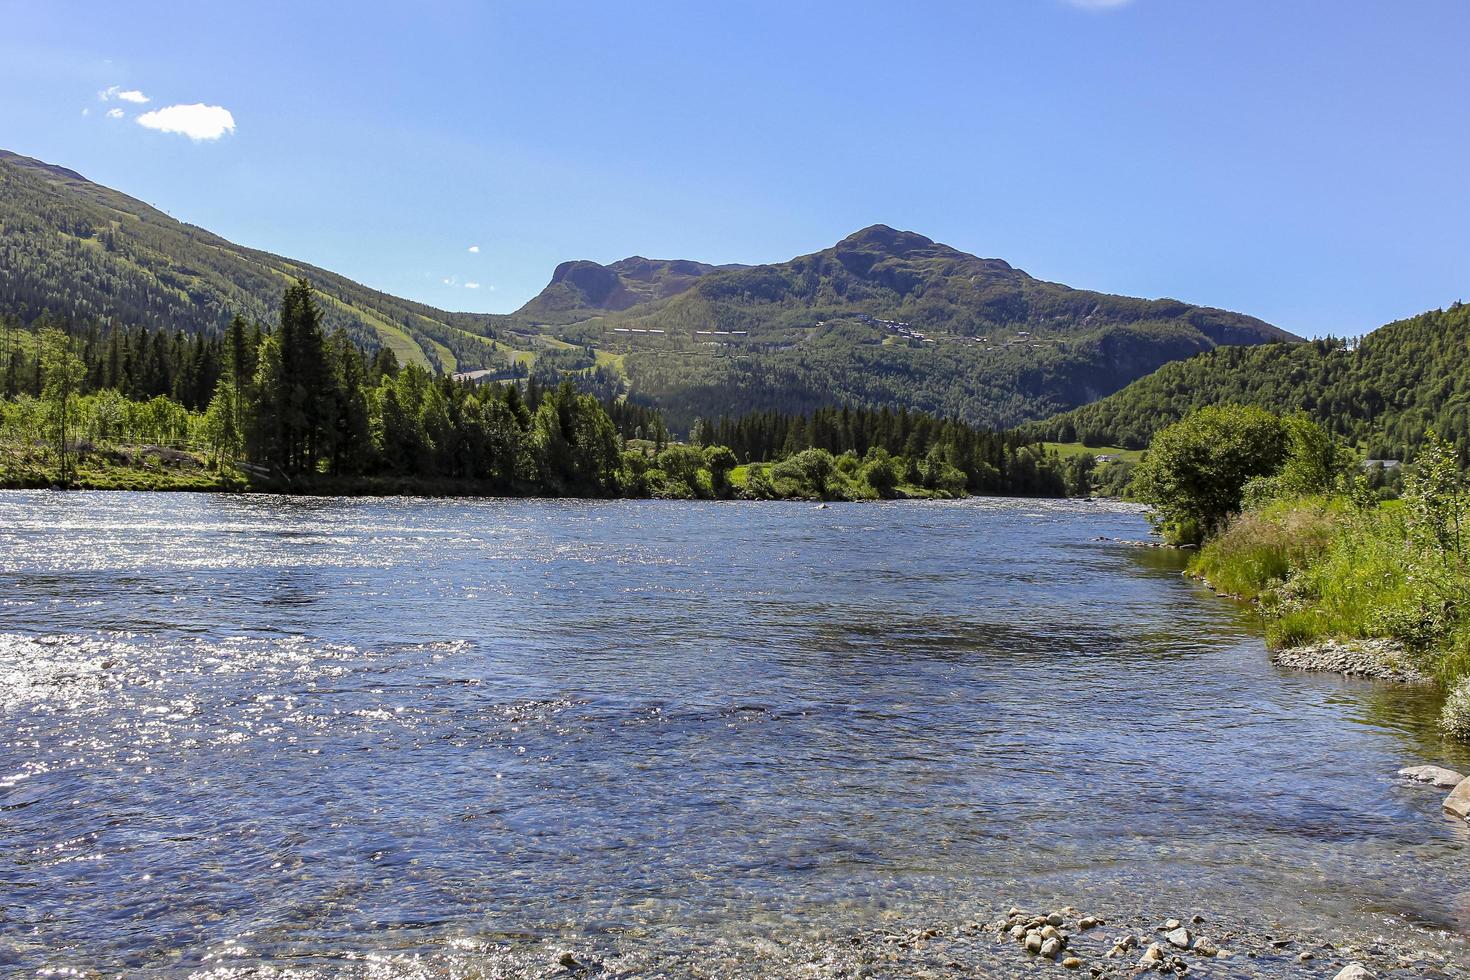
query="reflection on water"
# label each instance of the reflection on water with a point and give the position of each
(249, 730)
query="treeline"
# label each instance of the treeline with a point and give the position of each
(297, 406)
(989, 461)
(1379, 395)
(136, 362)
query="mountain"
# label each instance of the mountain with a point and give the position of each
(1379, 394)
(73, 248)
(883, 317)
(581, 287)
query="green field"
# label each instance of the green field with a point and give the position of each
(1078, 449)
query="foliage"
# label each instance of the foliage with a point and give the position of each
(62, 373)
(1343, 565)
(302, 410)
(1196, 470)
(1455, 716)
(1379, 395)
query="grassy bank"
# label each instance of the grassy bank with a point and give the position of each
(1328, 568)
(1288, 520)
(1323, 568)
(30, 467)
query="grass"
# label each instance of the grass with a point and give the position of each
(131, 468)
(1078, 449)
(1320, 568)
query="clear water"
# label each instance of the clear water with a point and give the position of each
(293, 734)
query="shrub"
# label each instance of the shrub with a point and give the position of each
(1454, 718)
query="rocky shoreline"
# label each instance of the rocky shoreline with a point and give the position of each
(1062, 942)
(1382, 660)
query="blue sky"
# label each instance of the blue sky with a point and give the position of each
(1303, 161)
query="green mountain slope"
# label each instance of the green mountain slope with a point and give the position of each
(882, 318)
(73, 248)
(581, 288)
(1381, 395)
(890, 317)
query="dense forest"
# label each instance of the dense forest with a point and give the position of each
(297, 407)
(1380, 394)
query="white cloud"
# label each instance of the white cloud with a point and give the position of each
(122, 95)
(197, 121)
(475, 249)
(86, 112)
(114, 113)
(471, 285)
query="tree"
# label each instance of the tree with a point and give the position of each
(719, 460)
(1197, 468)
(1438, 499)
(880, 473)
(63, 372)
(810, 470)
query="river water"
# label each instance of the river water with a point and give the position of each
(248, 735)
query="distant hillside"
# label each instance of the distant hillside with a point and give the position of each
(582, 287)
(889, 317)
(884, 317)
(1380, 395)
(76, 249)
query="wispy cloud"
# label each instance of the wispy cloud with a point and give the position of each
(475, 249)
(122, 95)
(471, 285)
(197, 121)
(115, 113)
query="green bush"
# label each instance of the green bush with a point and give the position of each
(1454, 718)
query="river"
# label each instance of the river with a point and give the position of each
(250, 735)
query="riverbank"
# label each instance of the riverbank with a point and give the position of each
(161, 468)
(1118, 941)
(1355, 587)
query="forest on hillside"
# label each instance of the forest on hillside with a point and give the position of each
(296, 407)
(1380, 394)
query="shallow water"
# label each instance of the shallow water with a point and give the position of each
(426, 735)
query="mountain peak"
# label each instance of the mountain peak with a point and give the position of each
(886, 239)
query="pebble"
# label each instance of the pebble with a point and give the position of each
(1089, 922)
(1051, 949)
(1355, 971)
(1178, 938)
(1071, 963)
(1033, 942)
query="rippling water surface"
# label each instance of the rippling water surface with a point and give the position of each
(243, 733)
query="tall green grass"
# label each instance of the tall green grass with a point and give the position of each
(1324, 567)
